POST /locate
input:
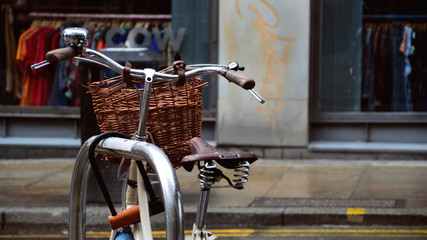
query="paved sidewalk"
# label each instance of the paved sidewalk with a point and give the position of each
(279, 192)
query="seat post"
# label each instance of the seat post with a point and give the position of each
(208, 175)
(202, 207)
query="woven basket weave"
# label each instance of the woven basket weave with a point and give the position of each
(174, 115)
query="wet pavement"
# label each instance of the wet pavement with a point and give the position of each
(279, 192)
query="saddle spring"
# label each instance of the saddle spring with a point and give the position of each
(241, 174)
(210, 174)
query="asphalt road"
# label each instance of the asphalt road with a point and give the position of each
(296, 232)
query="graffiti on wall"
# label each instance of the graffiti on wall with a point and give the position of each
(272, 82)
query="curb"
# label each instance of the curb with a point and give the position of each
(316, 216)
(54, 219)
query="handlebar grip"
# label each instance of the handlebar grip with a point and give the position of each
(60, 54)
(240, 79)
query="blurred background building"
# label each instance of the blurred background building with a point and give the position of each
(342, 79)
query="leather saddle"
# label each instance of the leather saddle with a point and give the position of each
(203, 151)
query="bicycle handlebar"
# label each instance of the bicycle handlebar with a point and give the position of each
(229, 71)
(67, 53)
(237, 78)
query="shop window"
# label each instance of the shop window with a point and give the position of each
(29, 36)
(369, 57)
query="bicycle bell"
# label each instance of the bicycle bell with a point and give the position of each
(76, 38)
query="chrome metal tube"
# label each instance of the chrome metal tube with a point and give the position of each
(256, 96)
(39, 65)
(77, 210)
(144, 103)
(88, 60)
(191, 73)
(134, 150)
(104, 59)
(202, 208)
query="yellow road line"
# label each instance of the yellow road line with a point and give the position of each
(343, 232)
(344, 235)
(30, 236)
(347, 230)
(356, 211)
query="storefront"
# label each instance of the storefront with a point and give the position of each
(344, 79)
(44, 112)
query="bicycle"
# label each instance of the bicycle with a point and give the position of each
(139, 199)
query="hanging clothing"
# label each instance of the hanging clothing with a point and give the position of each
(394, 59)
(368, 97)
(32, 46)
(13, 79)
(58, 85)
(57, 95)
(397, 63)
(407, 50)
(418, 76)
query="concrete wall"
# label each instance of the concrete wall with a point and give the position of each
(271, 39)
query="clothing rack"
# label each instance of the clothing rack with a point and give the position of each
(102, 16)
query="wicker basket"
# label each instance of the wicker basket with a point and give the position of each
(174, 115)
